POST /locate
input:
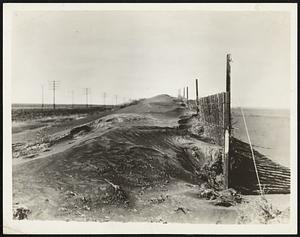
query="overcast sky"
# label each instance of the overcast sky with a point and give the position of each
(139, 54)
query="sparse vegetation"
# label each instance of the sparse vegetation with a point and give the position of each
(266, 211)
(21, 114)
(261, 211)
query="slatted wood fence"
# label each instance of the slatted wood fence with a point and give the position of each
(214, 115)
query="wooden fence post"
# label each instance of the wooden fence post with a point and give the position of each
(228, 89)
(227, 124)
(187, 95)
(197, 102)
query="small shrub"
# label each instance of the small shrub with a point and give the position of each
(266, 211)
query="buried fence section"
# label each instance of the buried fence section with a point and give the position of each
(214, 114)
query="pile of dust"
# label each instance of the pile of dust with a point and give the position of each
(103, 124)
(124, 119)
(135, 158)
(119, 154)
(162, 104)
(74, 133)
(83, 131)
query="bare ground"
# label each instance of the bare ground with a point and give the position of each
(128, 165)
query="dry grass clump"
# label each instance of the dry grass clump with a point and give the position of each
(266, 211)
(262, 212)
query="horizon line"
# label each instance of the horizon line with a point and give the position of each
(99, 104)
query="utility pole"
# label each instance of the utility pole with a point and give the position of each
(87, 96)
(87, 91)
(197, 105)
(183, 93)
(116, 100)
(53, 86)
(72, 99)
(42, 97)
(104, 97)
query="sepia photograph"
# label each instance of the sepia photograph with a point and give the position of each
(150, 118)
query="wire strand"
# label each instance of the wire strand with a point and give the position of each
(253, 157)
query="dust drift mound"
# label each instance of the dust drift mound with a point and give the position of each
(137, 148)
